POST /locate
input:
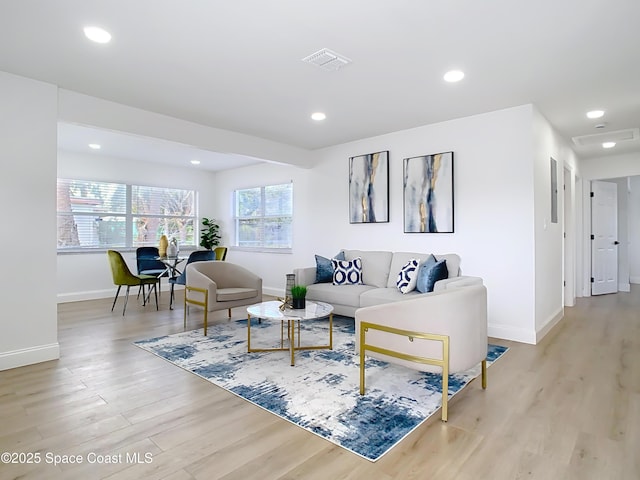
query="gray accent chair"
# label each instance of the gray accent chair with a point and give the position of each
(217, 285)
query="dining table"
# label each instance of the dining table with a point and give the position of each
(171, 264)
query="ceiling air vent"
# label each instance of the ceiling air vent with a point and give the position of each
(598, 138)
(327, 60)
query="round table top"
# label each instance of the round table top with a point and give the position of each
(271, 310)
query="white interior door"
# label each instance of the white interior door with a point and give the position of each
(604, 237)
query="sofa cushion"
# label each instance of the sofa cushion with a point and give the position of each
(338, 294)
(408, 276)
(324, 268)
(375, 267)
(429, 273)
(230, 294)
(401, 258)
(378, 296)
(347, 272)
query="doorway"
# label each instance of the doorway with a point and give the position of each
(568, 240)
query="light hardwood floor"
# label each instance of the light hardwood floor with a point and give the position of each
(568, 408)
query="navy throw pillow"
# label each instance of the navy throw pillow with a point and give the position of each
(324, 268)
(430, 273)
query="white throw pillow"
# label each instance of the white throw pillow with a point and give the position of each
(347, 272)
(408, 276)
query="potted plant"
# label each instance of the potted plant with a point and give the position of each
(209, 234)
(298, 294)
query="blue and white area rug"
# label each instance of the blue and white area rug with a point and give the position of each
(321, 392)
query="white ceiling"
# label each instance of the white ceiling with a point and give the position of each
(237, 65)
(76, 138)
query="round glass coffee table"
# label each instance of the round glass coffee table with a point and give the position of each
(271, 311)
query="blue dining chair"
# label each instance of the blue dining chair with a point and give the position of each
(195, 256)
(148, 264)
(147, 261)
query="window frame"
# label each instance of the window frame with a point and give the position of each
(261, 218)
(129, 217)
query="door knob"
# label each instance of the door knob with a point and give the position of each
(616, 242)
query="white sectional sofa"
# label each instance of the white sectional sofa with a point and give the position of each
(379, 275)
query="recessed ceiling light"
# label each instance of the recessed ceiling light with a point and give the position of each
(94, 146)
(608, 144)
(453, 76)
(97, 34)
(195, 162)
(595, 113)
(318, 116)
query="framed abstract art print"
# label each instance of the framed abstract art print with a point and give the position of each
(428, 193)
(369, 188)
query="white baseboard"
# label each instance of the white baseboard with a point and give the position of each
(110, 293)
(549, 324)
(88, 295)
(624, 287)
(29, 356)
(634, 280)
(274, 292)
(524, 336)
(99, 294)
(507, 332)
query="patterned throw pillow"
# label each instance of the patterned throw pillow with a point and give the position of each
(347, 272)
(408, 276)
(324, 269)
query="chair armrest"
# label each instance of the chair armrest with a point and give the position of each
(305, 276)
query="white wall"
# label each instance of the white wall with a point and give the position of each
(616, 166)
(634, 229)
(549, 254)
(28, 119)
(494, 208)
(83, 276)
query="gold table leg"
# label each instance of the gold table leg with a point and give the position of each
(282, 333)
(291, 336)
(248, 333)
(331, 331)
(292, 347)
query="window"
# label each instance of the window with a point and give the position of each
(94, 215)
(263, 216)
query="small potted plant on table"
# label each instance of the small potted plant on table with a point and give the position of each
(298, 294)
